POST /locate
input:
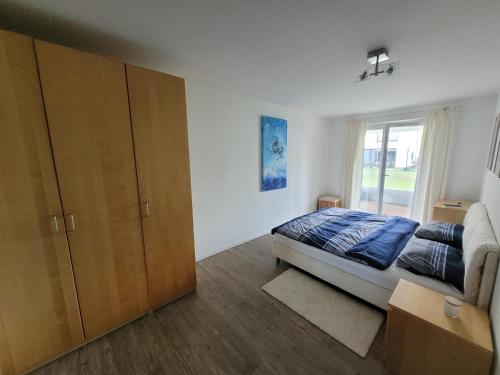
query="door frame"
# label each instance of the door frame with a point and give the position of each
(386, 128)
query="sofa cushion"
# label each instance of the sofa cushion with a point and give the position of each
(478, 241)
(434, 259)
(449, 234)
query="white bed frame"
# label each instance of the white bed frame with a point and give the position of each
(480, 258)
(353, 284)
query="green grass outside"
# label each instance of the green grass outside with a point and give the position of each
(397, 179)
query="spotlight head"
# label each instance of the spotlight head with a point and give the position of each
(390, 70)
(363, 76)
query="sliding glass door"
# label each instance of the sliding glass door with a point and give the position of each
(390, 162)
(372, 169)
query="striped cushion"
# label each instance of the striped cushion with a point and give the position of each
(433, 259)
(450, 234)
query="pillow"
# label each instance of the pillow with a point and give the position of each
(433, 259)
(450, 234)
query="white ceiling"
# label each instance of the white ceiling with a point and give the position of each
(299, 53)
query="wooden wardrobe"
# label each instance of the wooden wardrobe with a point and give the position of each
(158, 112)
(95, 217)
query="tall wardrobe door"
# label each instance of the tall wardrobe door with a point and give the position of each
(39, 315)
(88, 116)
(158, 111)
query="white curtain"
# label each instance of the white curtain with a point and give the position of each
(353, 164)
(434, 160)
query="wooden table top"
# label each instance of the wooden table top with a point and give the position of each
(329, 198)
(445, 203)
(472, 325)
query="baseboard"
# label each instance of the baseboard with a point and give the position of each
(227, 247)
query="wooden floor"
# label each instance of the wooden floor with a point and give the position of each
(228, 326)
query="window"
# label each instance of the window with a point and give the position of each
(390, 165)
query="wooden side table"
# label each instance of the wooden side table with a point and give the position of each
(421, 339)
(329, 201)
(450, 211)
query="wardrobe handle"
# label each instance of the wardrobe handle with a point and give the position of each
(145, 209)
(70, 222)
(54, 224)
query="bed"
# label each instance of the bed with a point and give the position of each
(480, 257)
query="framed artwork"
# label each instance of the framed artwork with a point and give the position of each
(494, 155)
(497, 160)
(274, 153)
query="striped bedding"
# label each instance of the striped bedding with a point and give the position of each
(359, 236)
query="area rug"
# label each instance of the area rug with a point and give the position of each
(348, 321)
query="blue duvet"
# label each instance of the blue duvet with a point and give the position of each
(380, 248)
(360, 236)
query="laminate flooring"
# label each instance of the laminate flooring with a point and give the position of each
(228, 326)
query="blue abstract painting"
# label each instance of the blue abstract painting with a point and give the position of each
(274, 149)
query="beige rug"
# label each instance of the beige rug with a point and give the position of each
(350, 322)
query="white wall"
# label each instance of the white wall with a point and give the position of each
(336, 152)
(468, 153)
(224, 145)
(490, 196)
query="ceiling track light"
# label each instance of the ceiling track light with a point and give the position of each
(378, 59)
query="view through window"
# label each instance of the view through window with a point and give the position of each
(390, 162)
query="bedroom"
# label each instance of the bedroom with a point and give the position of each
(136, 225)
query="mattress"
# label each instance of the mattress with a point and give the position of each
(387, 279)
